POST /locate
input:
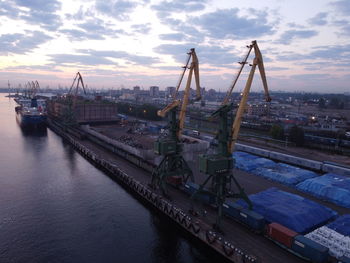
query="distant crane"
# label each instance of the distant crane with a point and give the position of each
(173, 164)
(219, 166)
(74, 89)
(69, 117)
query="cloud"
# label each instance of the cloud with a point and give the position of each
(130, 58)
(288, 36)
(8, 9)
(227, 23)
(22, 43)
(344, 26)
(141, 28)
(277, 68)
(213, 55)
(77, 34)
(85, 60)
(173, 37)
(319, 20)
(95, 29)
(39, 12)
(119, 9)
(342, 7)
(179, 6)
(311, 77)
(47, 67)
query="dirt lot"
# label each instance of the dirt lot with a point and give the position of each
(131, 134)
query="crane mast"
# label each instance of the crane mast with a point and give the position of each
(173, 165)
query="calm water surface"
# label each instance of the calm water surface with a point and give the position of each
(56, 207)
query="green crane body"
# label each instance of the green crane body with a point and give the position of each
(173, 163)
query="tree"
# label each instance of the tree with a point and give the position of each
(296, 135)
(277, 132)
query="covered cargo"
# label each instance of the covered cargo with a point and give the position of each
(281, 234)
(284, 173)
(341, 225)
(337, 244)
(290, 210)
(248, 162)
(332, 187)
(310, 249)
(248, 217)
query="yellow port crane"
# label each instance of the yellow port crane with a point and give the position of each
(173, 165)
(219, 166)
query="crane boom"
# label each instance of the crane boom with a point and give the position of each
(243, 63)
(74, 93)
(258, 61)
(193, 69)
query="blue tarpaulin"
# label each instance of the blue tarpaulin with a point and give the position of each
(248, 162)
(290, 210)
(332, 187)
(284, 173)
(341, 225)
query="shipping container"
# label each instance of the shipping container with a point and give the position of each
(247, 217)
(330, 168)
(190, 188)
(308, 248)
(174, 180)
(344, 260)
(232, 209)
(281, 234)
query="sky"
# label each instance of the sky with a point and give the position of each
(119, 43)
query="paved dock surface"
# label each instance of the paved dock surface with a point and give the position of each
(238, 235)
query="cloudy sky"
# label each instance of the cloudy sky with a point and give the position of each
(121, 43)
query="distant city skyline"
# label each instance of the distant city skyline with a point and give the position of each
(114, 44)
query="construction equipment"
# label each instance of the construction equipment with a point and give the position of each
(69, 117)
(74, 90)
(173, 165)
(219, 166)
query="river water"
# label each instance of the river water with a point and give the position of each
(57, 207)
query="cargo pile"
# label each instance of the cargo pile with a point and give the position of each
(279, 172)
(330, 187)
(249, 162)
(341, 225)
(338, 244)
(285, 174)
(293, 211)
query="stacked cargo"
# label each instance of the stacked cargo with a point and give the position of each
(284, 173)
(292, 211)
(331, 187)
(338, 244)
(341, 225)
(249, 162)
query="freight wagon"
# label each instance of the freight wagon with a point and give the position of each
(279, 234)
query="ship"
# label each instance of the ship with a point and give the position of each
(31, 113)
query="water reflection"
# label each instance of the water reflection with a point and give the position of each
(70, 155)
(33, 132)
